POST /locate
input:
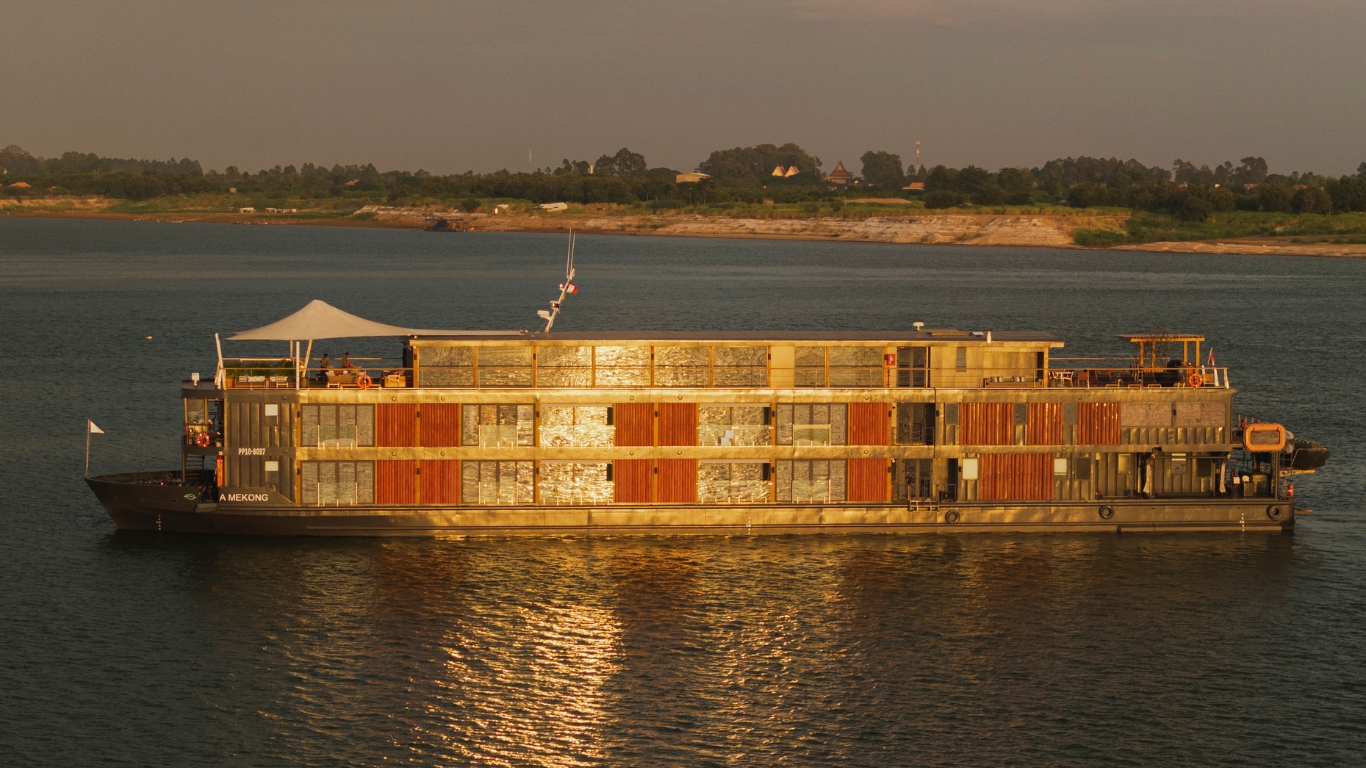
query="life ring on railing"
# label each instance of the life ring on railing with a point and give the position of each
(951, 516)
(202, 440)
(1290, 490)
(1195, 380)
(1106, 512)
(363, 381)
(1274, 512)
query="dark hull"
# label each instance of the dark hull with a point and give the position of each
(135, 504)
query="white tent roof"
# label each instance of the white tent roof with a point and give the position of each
(320, 320)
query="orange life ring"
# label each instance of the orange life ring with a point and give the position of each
(363, 381)
(202, 440)
(1195, 380)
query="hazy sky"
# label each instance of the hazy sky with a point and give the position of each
(454, 86)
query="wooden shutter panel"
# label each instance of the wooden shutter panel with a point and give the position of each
(633, 479)
(987, 423)
(396, 482)
(440, 426)
(1015, 477)
(868, 424)
(440, 481)
(677, 480)
(396, 425)
(678, 424)
(635, 423)
(1098, 423)
(868, 479)
(1044, 424)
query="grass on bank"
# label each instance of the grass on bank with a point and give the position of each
(1145, 227)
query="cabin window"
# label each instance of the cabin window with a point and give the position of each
(914, 424)
(196, 411)
(960, 359)
(1179, 464)
(730, 425)
(335, 482)
(681, 367)
(913, 366)
(497, 426)
(969, 469)
(564, 367)
(446, 366)
(505, 366)
(337, 426)
(810, 367)
(496, 483)
(739, 366)
(856, 367)
(622, 366)
(1060, 467)
(813, 424)
(576, 482)
(810, 482)
(738, 482)
(576, 426)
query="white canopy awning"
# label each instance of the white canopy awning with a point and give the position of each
(320, 320)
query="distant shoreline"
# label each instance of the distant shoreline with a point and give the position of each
(1023, 230)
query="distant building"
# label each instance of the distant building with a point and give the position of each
(915, 186)
(1247, 187)
(839, 177)
(246, 210)
(353, 182)
(21, 185)
(792, 171)
(554, 206)
(690, 178)
(778, 171)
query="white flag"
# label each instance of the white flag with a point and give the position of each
(94, 430)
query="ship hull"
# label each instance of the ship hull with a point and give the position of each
(133, 504)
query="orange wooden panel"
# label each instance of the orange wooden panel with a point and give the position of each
(987, 423)
(440, 479)
(678, 424)
(395, 425)
(1045, 424)
(396, 482)
(1098, 423)
(677, 480)
(1015, 477)
(439, 426)
(633, 479)
(635, 423)
(869, 424)
(867, 478)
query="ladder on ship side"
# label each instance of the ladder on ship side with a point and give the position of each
(196, 469)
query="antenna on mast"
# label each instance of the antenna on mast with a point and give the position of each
(566, 288)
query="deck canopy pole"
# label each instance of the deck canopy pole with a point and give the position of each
(218, 377)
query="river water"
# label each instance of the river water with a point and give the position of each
(149, 649)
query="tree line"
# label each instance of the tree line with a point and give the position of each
(736, 175)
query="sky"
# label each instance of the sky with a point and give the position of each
(453, 86)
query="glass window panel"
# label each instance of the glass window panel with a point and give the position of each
(346, 482)
(809, 357)
(568, 426)
(681, 357)
(739, 377)
(623, 357)
(623, 377)
(854, 357)
(526, 424)
(327, 426)
(732, 426)
(731, 483)
(308, 427)
(564, 377)
(505, 357)
(327, 482)
(811, 434)
(469, 482)
(445, 377)
(196, 412)
(809, 377)
(346, 426)
(308, 484)
(365, 482)
(564, 482)
(365, 425)
(680, 377)
(855, 377)
(737, 357)
(450, 357)
(563, 357)
(784, 481)
(504, 377)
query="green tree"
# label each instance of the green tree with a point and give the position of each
(624, 164)
(943, 198)
(883, 169)
(1274, 197)
(753, 166)
(1311, 200)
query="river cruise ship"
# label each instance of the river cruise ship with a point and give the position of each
(930, 430)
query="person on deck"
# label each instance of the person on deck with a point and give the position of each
(324, 366)
(346, 360)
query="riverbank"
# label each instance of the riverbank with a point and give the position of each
(864, 224)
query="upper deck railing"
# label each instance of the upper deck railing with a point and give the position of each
(366, 373)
